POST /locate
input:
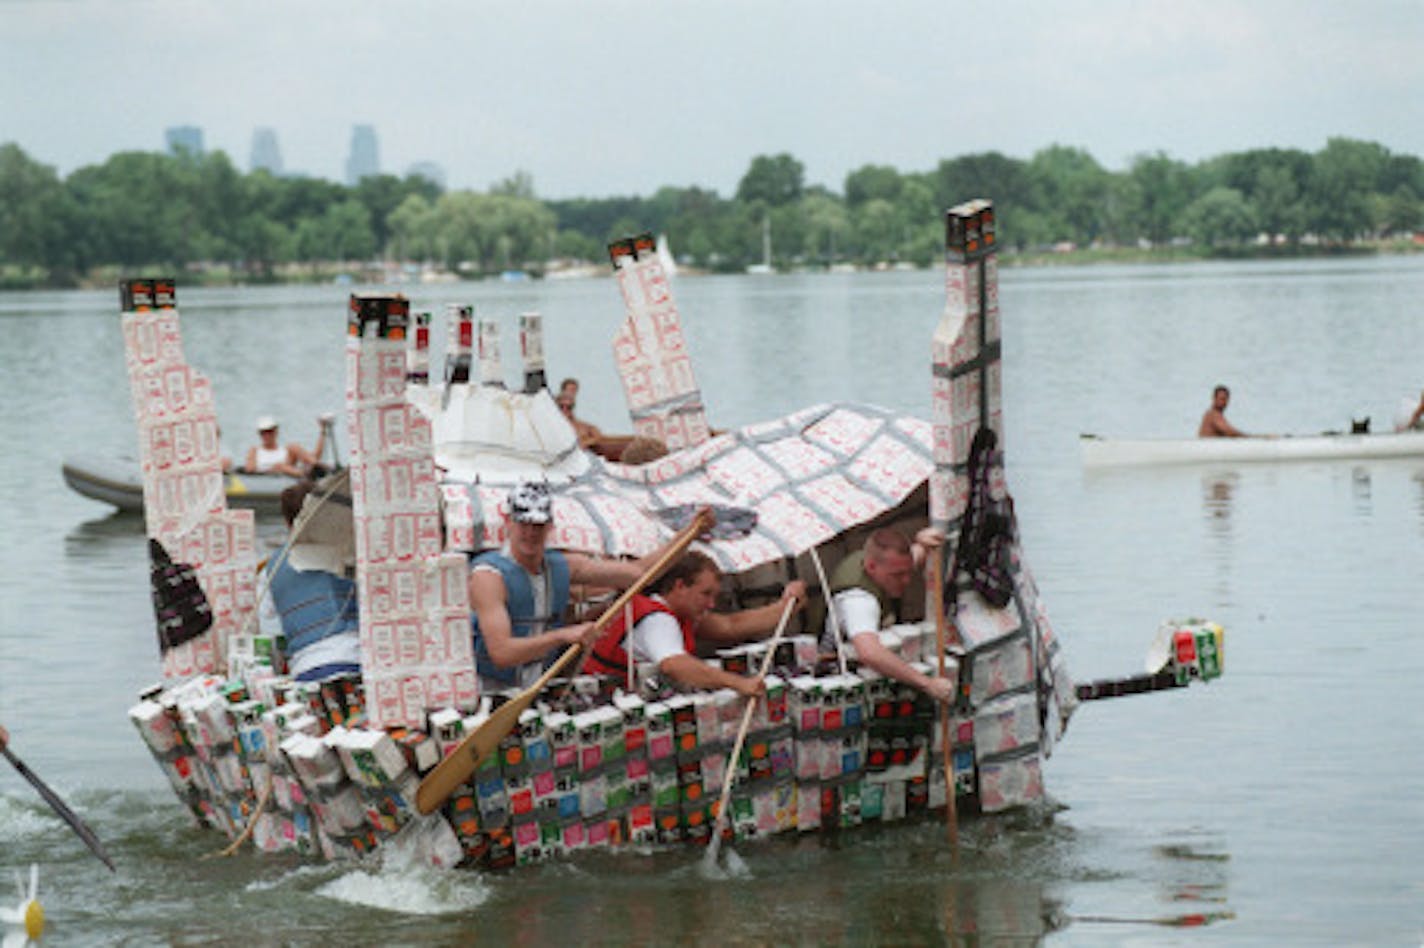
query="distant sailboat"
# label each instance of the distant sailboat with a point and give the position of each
(665, 256)
(765, 266)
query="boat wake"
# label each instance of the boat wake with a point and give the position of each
(409, 890)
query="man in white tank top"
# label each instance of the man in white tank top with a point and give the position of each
(271, 457)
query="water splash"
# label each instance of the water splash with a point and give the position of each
(21, 820)
(733, 867)
(410, 891)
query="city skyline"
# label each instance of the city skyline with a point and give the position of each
(698, 90)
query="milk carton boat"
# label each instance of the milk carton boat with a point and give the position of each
(335, 768)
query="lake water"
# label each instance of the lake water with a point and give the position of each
(1283, 803)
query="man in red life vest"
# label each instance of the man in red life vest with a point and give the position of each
(668, 625)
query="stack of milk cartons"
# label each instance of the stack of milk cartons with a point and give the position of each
(157, 719)
(998, 689)
(897, 746)
(288, 822)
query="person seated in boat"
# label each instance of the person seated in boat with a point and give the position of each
(866, 589)
(292, 459)
(315, 599)
(1214, 423)
(519, 594)
(669, 624)
(1411, 417)
(567, 400)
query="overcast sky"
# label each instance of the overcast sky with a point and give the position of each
(603, 97)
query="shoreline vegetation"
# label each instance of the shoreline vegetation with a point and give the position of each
(197, 218)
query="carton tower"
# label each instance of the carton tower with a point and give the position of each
(651, 352)
(202, 563)
(1014, 685)
(416, 654)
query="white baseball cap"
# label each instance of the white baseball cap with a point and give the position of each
(266, 423)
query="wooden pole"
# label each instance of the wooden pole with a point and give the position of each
(715, 842)
(951, 816)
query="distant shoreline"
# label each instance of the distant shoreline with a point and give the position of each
(397, 275)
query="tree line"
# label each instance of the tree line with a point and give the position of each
(187, 213)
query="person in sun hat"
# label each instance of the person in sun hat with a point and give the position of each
(271, 457)
(520, 593)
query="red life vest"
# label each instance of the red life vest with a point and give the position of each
(608, 657)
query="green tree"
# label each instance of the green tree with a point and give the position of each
(1403, 213)
(772, 179)
(1221, 217)
(869, 182)
(1277, 200)
(1343, 174)
(1072, 188)
(411, 227)
(1163, 190)
(37, 216)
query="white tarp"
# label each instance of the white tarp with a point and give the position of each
(808, 477)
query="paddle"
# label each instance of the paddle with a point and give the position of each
(461, 763)
(951, 814)
(715, 843)
(80, 828)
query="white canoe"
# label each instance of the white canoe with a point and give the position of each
(117, 481)
(1119, 452)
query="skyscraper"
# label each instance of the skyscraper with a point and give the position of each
(181, 138)
(364, 160)
(266, 155)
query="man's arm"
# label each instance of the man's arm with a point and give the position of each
(728, 628)
(873, 654)
(695, 673)
(487, 599)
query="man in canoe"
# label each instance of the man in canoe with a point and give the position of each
(518, 594)
(866, 589)
(1214, 423)
(669, 624)
(269, 456)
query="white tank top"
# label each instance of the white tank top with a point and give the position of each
(269, 458)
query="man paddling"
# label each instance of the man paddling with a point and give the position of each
(669, 624)
(518, 594)
(1214, 423)
(866, 589)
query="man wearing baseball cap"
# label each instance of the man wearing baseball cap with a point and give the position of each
(292, 459)
(518, 594)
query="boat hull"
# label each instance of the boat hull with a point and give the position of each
(118, 481)
(1125, 452)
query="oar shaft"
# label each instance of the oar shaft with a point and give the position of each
(81, 829)
(951, 813)
(736, 754)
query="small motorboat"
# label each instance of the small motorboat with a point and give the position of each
(1123, 452)
(118, 481)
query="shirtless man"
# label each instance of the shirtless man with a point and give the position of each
(567, 400)
(1214, 423)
